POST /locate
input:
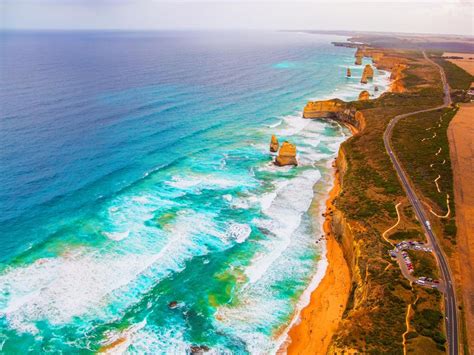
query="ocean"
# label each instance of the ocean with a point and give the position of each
(139, 207)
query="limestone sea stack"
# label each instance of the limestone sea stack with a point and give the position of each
(274, 145)
(376, 88)
(286, 155)
(349, 74)
(358, 60)
(367, 74)
(364, 95)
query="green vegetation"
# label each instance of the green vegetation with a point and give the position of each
(428, 322)
(424, 264)
(458, 78)
(370, 190)
(422, 146)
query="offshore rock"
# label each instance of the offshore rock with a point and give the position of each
(364, 95)
(367, 74)
(274, 145)
(198, 349)
(348, 73)
(376, 88)
(286, 155)
(358, 60)
(173, 304)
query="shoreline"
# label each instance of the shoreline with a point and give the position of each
(312, 330)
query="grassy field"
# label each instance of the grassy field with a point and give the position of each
(375, 318)
(457, 77)
(422, 146)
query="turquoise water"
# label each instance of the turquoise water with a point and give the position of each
(136, 172)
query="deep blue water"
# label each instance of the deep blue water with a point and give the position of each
(135, 171)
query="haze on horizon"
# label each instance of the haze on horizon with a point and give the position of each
(421, 16)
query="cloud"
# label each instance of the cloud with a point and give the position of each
(442, 16)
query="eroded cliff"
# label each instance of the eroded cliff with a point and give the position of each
(336, 109)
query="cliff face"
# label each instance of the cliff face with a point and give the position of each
(343, 230)
(286, 155)
(274, 145)
(337, 110)
(321, 109)
(364, 95)
(396, 76)
(353, 250)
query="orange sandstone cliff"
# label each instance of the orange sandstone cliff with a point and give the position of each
(337, 110)
(396, 76)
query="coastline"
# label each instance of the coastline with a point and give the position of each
(312, 330)
(313, 327)
(318, 321)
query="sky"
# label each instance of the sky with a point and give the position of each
(415, 16)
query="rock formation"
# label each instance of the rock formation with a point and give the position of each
(337, 110)
(198, 349)
(359, 54)
(321, 109)
(367, 74)
(376, 88)
(286, 155)
(173, 304)
(348, 73)
(364, 95)
(274, 145)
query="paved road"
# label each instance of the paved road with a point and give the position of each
(449, 294)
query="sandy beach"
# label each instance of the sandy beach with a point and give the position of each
(320, 319)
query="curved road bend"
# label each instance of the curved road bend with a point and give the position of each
(451, 320)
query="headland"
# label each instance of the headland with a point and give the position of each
(378, 310)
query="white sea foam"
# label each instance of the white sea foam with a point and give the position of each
(275, 124)
(285, 211)
(227, 197)
(79, 284)
(239, 232)
(292, 125)
(117, 236)
(202, 181)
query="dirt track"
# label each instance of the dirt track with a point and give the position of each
(461, 143)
